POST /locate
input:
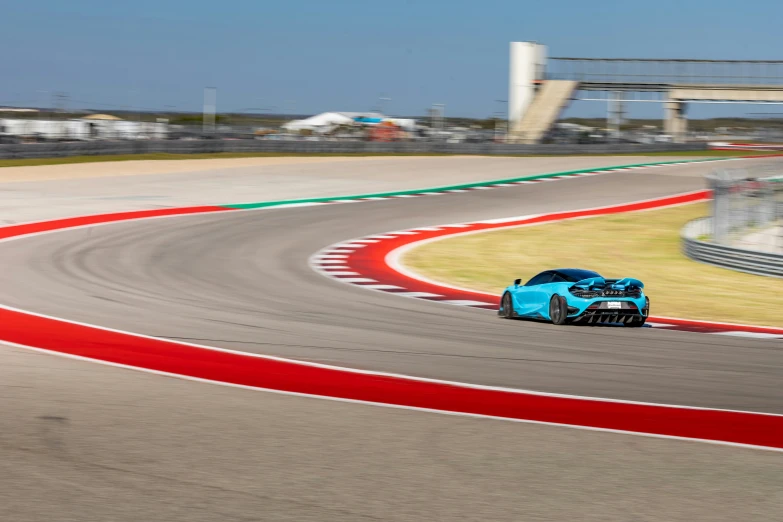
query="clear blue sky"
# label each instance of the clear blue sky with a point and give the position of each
(310, 56)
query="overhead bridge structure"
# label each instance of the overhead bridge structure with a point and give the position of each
(540, 88)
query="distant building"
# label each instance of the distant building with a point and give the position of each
(93, 127)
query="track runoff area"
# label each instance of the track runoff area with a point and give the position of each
(375, 268)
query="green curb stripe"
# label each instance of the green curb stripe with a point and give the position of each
(265, 204)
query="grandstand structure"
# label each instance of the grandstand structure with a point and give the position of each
(540, 88)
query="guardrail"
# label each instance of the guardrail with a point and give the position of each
(93, 148)
(742, 260)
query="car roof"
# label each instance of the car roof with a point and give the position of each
(580, 273)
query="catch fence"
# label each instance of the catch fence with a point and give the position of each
(745, 231)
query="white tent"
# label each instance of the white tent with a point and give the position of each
(319, 123)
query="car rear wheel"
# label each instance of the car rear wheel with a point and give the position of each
(508, 309)
(558, 310)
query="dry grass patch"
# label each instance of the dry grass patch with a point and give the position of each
(645, 245)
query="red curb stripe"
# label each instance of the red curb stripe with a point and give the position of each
(100, 219)
(718, 327)
(228, 367)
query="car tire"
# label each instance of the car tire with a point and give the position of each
(558, 310)
(508, 309)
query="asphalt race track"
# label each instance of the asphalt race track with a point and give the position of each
(103, 438)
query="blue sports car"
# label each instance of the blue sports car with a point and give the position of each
(573, 295)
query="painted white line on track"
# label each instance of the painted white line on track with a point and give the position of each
(750, 334)
(295, 205)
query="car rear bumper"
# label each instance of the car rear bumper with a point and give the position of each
(608, 316)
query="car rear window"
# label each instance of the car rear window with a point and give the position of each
(540, 279)
(572, 275)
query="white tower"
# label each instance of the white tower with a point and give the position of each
(527, 65)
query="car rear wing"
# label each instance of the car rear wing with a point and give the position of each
(590, 283)
(627, 282)
(599, 282)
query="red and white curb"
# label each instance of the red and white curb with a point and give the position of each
(372, 262)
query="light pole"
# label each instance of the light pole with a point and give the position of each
(440, 114)
(210, 106)
(500, 113)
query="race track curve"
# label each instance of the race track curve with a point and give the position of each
(241, 280)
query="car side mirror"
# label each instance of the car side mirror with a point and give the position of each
(517, 282)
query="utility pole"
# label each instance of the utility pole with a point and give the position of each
(60, 101)
(43, 102)
(382, 99)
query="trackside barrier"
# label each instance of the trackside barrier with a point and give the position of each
(93, 148)
(750, 261)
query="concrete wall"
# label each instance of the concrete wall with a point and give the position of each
(51, 150)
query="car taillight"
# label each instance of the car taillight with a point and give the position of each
(583, 293)
(593, 306)
(633, 306)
